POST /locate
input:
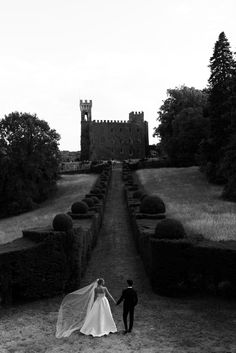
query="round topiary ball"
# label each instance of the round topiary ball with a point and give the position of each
(95, 199)
(62, 222)
(79, 207)
(96, 191)
(152, 204)
(169, 228)
(143, 196)
(89, 201)
(138, 194)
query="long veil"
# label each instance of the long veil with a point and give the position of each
(73, 310)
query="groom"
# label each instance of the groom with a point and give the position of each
(129, 296)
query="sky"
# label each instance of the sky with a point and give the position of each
(122, 54)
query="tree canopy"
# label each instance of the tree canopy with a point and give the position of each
(29, 161)
(220, 108)
(182, 124)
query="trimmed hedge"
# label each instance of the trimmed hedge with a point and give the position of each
(175, 263)
(95, 199)
(152, 204)
(62, 222)
(138, 194)
(47, 262)
(79, 207)
(169, 228)
(89, 201)
(169, 266)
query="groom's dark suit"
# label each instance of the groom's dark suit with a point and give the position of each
(130, 298)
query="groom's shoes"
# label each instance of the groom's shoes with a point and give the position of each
(124, 332)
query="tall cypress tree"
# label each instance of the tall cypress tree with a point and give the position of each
(222, 67)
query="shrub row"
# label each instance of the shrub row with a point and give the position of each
(176, 264)
(155, 163)
(51, 260)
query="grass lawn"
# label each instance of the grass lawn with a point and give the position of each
(71, 188)
(191, 199)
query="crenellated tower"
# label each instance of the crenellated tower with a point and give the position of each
(86, 110)
(136, 117)
(86, 118)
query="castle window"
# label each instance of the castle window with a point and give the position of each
(120, 129)
(130, 152)
(111, 130)
(137, 130)
(130, 129)
(121, 150)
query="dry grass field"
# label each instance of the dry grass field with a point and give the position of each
(71, 188)
(191, 199)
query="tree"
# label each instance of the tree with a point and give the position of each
(222, 65)
(29, 161)
(228, 168)
(228, 162)
(182, 124)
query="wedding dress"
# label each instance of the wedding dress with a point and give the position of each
(79, 311)
(99, 320)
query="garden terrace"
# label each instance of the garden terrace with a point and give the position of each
(46, 262)
(161, 323)
(179, 266)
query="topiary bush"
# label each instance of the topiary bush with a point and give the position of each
(143, 196)
(79, 207)
(169, 228)
(89, 201)
(138, 194)
(152, 204)
(62, 222)
(96, 191)
(95, 199)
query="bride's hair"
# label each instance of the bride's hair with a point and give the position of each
(100, 281)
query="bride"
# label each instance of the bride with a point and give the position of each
(87, 310)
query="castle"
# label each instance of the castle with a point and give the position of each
(118, 140)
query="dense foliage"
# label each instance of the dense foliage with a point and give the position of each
(199, 127)
(221, 110)
(182, 124)
(29, 160)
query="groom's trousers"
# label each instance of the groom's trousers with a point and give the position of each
(128, 310)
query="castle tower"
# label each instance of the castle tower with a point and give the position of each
(86, 110)
(86, 118)
(136, 117)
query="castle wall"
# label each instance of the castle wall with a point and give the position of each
(117, 140)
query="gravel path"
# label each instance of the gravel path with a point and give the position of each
(162, 325)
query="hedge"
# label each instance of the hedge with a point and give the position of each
(181, 266)
(44, 262)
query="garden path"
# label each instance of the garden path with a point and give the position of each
(162, 325)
